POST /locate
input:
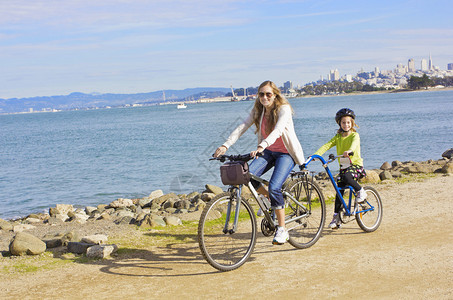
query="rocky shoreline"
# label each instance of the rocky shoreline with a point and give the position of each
(82, 230)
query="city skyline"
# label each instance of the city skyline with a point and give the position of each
(49, 47)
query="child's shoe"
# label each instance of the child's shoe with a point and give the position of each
(281, 236)
(335, 223)
(361, 196)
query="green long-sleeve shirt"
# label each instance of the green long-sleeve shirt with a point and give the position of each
(349, 143)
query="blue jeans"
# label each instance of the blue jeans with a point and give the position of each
(283, 163)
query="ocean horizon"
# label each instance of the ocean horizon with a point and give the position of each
(90, 157)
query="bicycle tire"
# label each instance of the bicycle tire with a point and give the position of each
(305, 232)
(369, 221)
(226, 251)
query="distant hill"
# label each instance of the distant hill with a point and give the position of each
(84, 101)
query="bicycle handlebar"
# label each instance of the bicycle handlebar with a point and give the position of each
(313, 157)
(237, 157)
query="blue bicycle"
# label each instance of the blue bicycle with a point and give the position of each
(367, 214)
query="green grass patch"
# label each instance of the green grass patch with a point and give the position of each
(30, 264)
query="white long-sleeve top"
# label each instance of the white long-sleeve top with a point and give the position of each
(284, 128)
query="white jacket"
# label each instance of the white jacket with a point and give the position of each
(284, 128)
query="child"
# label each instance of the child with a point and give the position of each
(346, 140)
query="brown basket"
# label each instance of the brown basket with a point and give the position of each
(235, 172)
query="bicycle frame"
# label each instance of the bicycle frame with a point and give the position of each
(339, 189)
(267, 215)
(238, 190)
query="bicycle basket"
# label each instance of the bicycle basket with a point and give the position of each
(235, 172)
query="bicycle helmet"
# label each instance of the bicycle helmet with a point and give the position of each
(344, 112)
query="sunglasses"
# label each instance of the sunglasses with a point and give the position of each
(268, 95)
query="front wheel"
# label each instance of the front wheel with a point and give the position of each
(311, 214)
(223, 247)
(369, 215)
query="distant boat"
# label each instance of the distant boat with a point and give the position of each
(181, 105)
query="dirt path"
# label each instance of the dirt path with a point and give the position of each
(409, 256)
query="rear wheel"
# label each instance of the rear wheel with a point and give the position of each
(306, 231)
(223, 247)
(369, 214)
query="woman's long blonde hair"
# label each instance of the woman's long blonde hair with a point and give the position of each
(278, 102)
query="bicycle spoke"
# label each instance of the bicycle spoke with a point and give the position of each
(226, 251)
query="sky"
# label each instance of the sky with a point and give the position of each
(54, 47)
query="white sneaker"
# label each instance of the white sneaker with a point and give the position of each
(260, 212)
(361, 196)
(335, 223)
(281, 236)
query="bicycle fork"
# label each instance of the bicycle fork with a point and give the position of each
(237, 198)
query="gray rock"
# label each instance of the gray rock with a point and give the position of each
(396, 163)
(61, 209)
(386, 166)
(101, 251)
(5, 225)
(182, 204)
(89, 210)
(78, 247)
(150, 221)
(385, 175)
(156, 194)
(201, 205)
(448, 153)
(171, 210)
(164, 198)
(53, 243)
(213, 189)
(172, 221)
(22, 227)
(447, 168)
(193, 195)
(26, 244)
(32, 220)
(206, 197)
(170, 203)
(105, 216)
(70, 236)
(121, 202)
(54, 221)
(125, 220)
(144, 202)
(371, 177)
(124, 213)
(419, 168)
(95, 239)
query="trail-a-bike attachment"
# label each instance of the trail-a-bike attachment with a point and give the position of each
(227, 229)
(367, 214)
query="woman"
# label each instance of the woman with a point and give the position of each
(278, 143)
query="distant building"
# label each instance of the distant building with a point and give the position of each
(450, 66)
(377, 71)
(334, 75)
(430, 65)
(288, 85)
(349, 78)
(411, 65)
(400, 69)
(424, 65)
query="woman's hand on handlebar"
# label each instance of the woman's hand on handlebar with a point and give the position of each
(258, 150)
(220, 151)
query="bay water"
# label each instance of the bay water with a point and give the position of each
(96, 156)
